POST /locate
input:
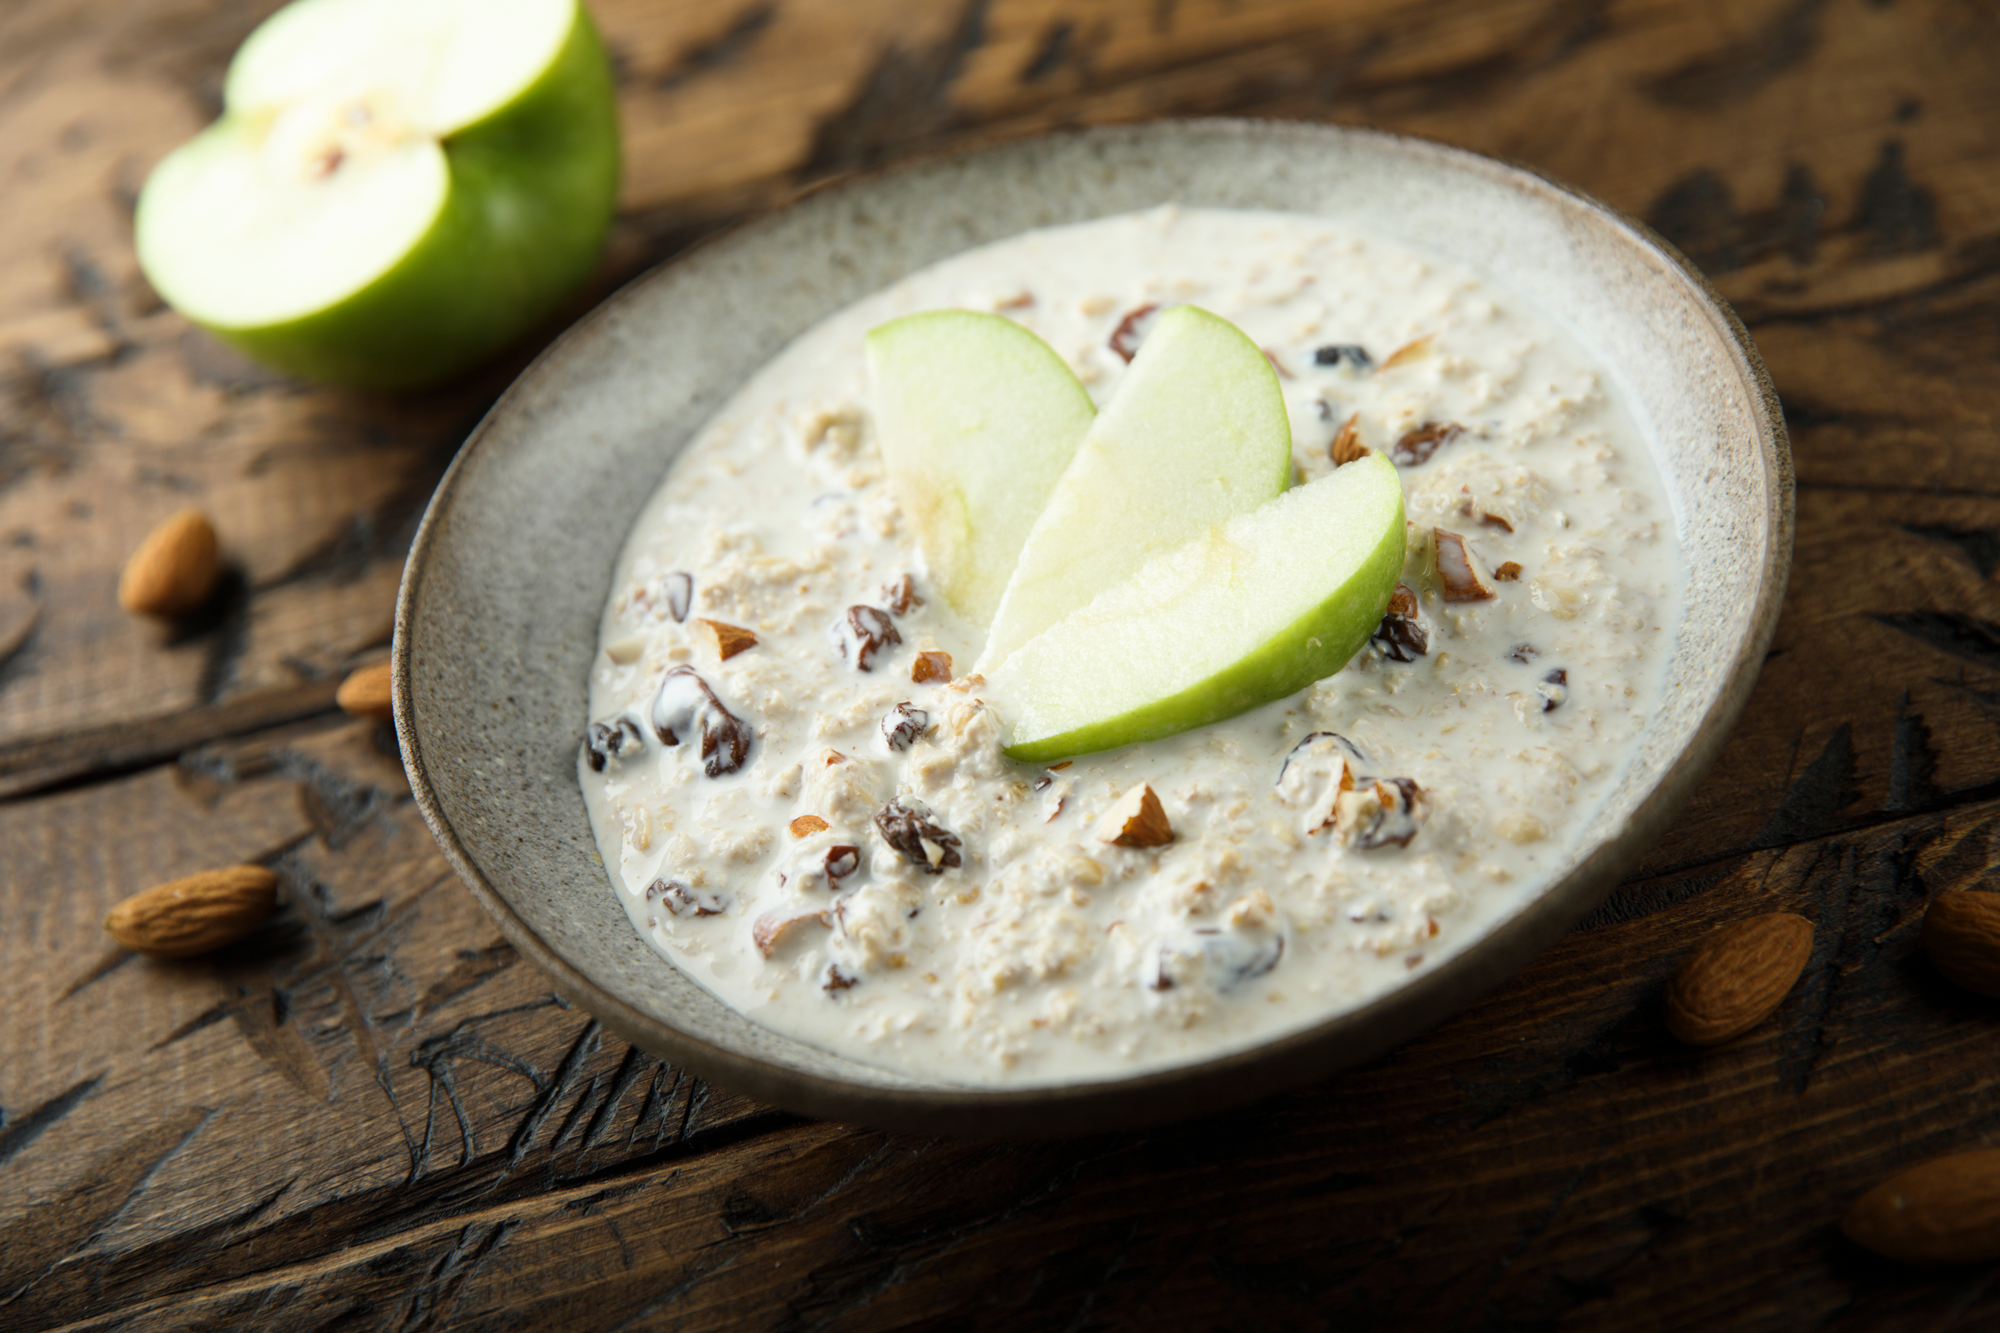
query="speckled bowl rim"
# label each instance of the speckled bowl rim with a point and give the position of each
(1300, 1057)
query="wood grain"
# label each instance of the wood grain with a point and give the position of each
(369, 1115)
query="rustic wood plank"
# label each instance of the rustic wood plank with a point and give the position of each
(1531, 1160)
(377, 1011)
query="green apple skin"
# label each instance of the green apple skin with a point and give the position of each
(532, 190)
(1252, 611)
(1195, 433)
(977, 419)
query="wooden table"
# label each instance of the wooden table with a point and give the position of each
(370, 1115)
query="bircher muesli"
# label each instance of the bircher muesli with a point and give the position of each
(800, 784)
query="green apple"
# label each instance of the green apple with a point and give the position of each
(1195, 433)
(396, 188)
(977, 418)
(1249, 611)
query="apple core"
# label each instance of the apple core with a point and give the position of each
(393, 191)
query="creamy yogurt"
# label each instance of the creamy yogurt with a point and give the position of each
(803, 807)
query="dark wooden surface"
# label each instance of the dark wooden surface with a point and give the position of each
(371, 1115)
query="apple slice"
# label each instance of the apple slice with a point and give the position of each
(1195, 433)
(1249, 611)
(395, 190)
(977, 418)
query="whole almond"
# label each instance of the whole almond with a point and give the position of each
(174, 570)
(185, 917)
(365, 693)
(1946, 1211)
(1736, 977)
(1962, 937)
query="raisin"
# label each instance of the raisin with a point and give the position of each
(1554, 689)
(1316, 773)
(862, 633)
(1335, 353)
(902, 725)
(679, 588)
(1399, 810)
(1400, 637)
(1243, 967)
(683, 899)
(605, 741)
(899, 595)
(684, 703)
(1131, 331)
(907, 826)
(1417, 445)
(842, 860)
(1323, 743)
(1228, 960)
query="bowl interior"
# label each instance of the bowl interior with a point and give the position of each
(497, 621)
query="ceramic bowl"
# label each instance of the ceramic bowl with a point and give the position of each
(496, 624)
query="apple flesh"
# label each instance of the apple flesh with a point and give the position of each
(977, 419)
(1249, 611)
(1195, 433)
(395, 190)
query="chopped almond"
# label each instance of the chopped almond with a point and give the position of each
(930, 666)
(1347, 447)
(1137, 820)
(1508, 572)
(1456, 570)
(729, 639)
(1409, 351)
(770, 929)
(806, 825)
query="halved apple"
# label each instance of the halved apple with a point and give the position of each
(1195, 433)
(1249, 611)
(395, 189)
(977, 419)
